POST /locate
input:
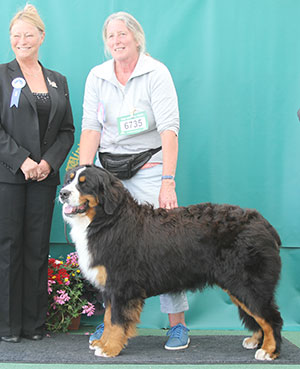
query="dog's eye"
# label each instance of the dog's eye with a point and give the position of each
(69, 179)
(82, 179)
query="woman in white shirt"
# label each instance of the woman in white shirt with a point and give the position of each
(130, 106)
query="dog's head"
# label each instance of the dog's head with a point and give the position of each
(87, 187)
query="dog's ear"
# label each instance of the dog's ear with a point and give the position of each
(113, 196)
(113, 192)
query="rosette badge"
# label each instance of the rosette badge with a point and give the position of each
(18, 83)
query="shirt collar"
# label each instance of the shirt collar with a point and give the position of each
(145, 64)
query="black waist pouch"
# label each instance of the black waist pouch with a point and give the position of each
(125, 166)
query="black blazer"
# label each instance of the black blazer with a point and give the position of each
(19, 127)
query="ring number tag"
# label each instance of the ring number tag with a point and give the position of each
(132, 124)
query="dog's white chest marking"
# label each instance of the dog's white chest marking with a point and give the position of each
(79, 237)
(78, 233)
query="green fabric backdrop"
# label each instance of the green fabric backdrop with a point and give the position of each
(236, 67)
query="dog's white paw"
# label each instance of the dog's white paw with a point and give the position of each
(262, 355)
(91, 347)
(99, 352)
(249, 343)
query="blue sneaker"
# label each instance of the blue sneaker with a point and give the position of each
(97, 334)
(179, 338)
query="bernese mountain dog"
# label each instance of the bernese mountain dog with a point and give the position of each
(131, 252)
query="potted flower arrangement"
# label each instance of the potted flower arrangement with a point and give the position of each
(66, 294)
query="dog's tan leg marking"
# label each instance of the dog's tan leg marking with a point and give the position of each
(101, 275)
(116, 341)
(266, 352)
(107, 326)
(115, 337)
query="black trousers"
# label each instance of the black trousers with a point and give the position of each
(25, 221)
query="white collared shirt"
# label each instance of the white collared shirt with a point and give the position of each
(150, 89)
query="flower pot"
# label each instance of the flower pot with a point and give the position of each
(75, 323)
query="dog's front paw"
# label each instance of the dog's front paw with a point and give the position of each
(262, 355)
(95, 344)
(99, 352)
(105, 352)
(250, 343)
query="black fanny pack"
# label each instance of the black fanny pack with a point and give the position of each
(125, 166)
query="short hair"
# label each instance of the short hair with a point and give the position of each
(132, 24)
(30, 15)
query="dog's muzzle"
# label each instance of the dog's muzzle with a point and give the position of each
(68, 209)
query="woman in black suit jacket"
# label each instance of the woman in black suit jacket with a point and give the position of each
(36, 134)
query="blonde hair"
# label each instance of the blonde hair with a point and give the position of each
(30, 15)
(132, 24)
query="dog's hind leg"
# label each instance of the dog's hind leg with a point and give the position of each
(270, 321)
(251, 324)
(254, 341)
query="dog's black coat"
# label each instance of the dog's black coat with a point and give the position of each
(149, 251)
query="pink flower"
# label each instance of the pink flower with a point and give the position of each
(62, 298)
(50, 282)
(88, 309)
(53, 306)
(72, 259)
